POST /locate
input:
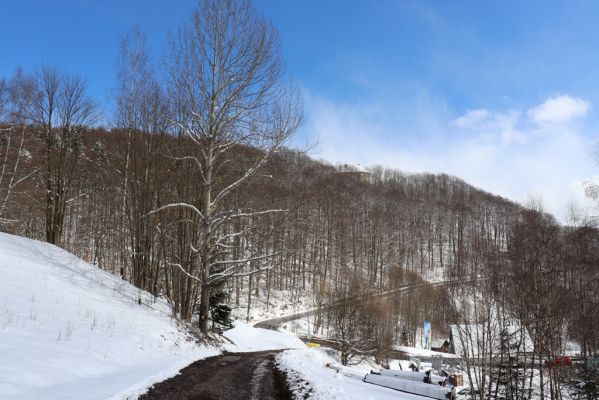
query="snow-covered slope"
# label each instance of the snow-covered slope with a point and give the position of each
(69, 330)
(310, 372)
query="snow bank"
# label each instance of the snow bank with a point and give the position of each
(69, 330)
(412, 386)
(420, 352)
(324, 383)
(247, 338)
(411, 376)
(402, 365)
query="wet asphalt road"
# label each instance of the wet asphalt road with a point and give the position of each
(234, 376)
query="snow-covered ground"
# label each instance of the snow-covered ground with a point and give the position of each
(333, 381)
(304, 365)
(69, 330)
(420, 352)
(277, 304)
(247, 338)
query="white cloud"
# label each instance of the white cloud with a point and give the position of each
(502, 124)
(559, 109)
(505, 152)
(472, 118)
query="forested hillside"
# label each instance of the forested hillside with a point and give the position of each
(332, 231)
(189, 191)
(191, 194)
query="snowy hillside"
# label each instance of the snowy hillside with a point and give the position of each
(69, 330)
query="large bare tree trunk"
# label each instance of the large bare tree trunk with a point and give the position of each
(230, 95)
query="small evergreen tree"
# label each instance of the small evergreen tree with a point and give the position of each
(219, 311)
(403, 339)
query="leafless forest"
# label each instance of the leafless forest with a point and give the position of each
(191, 192)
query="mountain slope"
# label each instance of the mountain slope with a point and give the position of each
(69, 330)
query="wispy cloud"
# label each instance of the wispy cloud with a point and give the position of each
(543, 150)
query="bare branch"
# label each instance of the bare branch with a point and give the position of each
(176, 205)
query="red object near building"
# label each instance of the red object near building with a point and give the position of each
(560, 361)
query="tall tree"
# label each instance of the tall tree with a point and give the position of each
(15, 101)
(142, 113)
(62, 112)
(133, 72)
(229, 93)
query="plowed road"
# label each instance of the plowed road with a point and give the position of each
(276, 323)
(244, 376)
(233, 376)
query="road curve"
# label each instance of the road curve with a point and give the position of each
(276, 323)
(232, 376)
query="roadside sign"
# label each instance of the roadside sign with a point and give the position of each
(426, 335)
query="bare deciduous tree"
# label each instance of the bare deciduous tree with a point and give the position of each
(132, 74)
(143, 113)
(61, 113)
(15, 101)
(229, 92)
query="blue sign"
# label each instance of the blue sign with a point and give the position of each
(426, 335)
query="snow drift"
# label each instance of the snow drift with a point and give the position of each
(309, 374)
(69, 330)
(411, 386)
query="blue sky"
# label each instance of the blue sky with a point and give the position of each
(500, 93)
